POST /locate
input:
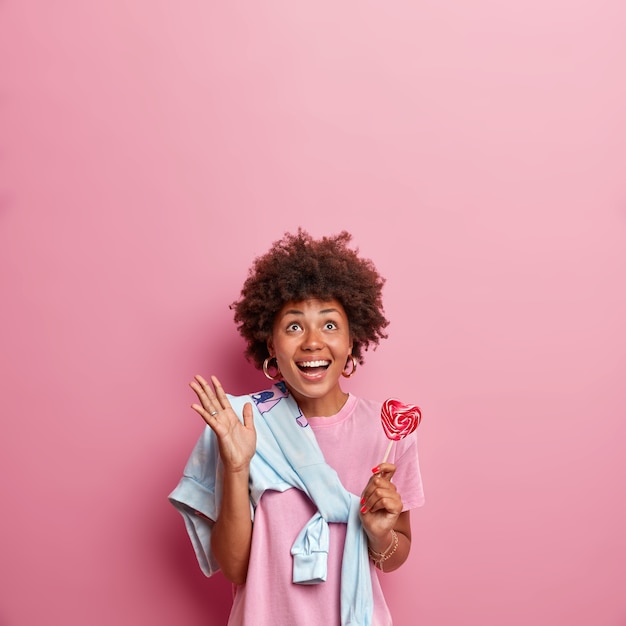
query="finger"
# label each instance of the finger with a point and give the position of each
(389, 502)
(379, 481)
(207, 416)
(207, 405)
(248, 416)
(377, 489)
(205, 394)
(387, 507)
(220, 393)
(201, 387)
(386, 470)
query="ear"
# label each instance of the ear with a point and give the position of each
(270, 346)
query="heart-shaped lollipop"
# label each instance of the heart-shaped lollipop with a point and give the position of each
(399, 420)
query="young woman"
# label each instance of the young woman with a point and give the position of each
(286, 491)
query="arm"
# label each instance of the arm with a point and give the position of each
(381, 513)
(232, 532)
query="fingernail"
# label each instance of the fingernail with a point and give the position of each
(376, 470)
(362, 500)
(363, 509)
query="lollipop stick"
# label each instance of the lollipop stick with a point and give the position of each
(387, 451)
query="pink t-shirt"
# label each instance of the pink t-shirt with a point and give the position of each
(353, 442)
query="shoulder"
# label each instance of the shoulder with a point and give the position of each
(364, 415)
(366, 405)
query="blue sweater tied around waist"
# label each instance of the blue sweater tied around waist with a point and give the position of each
(287, 456)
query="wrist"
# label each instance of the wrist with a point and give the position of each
(380, 544)
(379, 557)
(237, 472)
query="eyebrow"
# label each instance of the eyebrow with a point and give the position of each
(297, 312)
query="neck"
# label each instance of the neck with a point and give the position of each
(327, 406)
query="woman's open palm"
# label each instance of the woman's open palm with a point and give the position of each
(237, 440)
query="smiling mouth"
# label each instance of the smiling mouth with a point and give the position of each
(313, 367)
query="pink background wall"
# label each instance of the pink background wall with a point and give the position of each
(476, 150)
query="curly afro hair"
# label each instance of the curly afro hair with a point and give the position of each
(298, 267)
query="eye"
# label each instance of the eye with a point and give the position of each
(293, 327)
(330, 326)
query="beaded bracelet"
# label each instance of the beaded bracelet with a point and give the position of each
(380, 557)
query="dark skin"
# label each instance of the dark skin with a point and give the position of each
(310, 331)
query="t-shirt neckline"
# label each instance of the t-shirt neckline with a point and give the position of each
(344, 413)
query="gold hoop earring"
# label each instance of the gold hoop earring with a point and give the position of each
(354, 363)
(266, 365)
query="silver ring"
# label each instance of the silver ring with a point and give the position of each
(213, 413)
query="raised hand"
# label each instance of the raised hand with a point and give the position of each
(237, 440)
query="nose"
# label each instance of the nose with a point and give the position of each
(312, 340)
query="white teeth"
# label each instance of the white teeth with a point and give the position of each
(314, 363)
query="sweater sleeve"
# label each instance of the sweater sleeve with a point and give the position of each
(198, 495)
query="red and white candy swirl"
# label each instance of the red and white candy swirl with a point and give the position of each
(399, 420)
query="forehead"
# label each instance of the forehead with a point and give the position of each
(311, 306)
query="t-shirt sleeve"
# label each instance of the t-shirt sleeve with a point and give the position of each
(408, 477)
(197, 497)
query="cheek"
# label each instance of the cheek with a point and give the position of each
(280, 347)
